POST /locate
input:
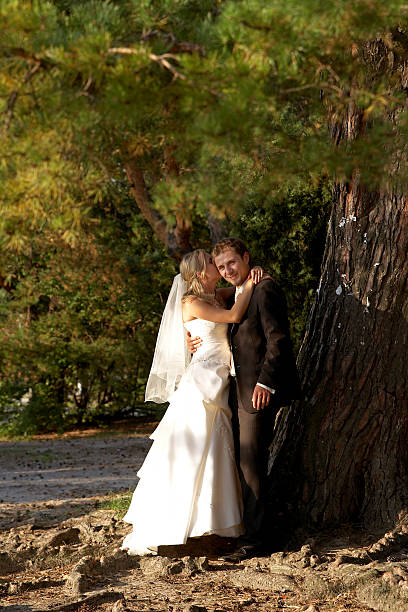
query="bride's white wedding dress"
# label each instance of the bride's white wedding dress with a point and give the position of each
(189, 484)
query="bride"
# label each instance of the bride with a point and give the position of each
(189, 485)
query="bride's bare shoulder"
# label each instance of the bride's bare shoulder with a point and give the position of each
(188, 301)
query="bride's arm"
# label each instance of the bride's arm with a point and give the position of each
(200, 309)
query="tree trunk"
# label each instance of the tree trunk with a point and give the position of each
(345, 444)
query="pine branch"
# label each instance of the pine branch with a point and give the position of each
(175, 45)
(182, 230)
(15, 93)
(252, 26)
(29, 57)
(217, 230)
(162, 60)
(177, 240)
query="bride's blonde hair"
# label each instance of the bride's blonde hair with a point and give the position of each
(192, 270)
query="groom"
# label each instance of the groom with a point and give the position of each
(264, 378)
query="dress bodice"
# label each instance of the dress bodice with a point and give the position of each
(214, 340)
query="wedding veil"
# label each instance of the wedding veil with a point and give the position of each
(171, 355)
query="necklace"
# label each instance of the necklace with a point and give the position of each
(211, 298)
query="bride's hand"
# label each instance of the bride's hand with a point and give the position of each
(193, 343)
(256, 274)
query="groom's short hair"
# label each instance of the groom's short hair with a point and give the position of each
(225, 244)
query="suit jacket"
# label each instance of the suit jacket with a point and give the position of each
(262, 348)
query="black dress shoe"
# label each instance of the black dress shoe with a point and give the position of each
(240, 554)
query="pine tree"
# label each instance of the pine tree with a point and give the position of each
(286, 95)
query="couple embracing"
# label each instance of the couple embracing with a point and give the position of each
(206, 470)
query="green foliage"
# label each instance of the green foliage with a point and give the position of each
(237, 98)
(78, 330)
(286, 237)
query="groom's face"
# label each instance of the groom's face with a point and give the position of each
(232, 266)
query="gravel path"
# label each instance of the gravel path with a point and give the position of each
(47, 470)
(46, 481)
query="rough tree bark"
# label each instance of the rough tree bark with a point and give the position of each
(348, 437)
(344, 446)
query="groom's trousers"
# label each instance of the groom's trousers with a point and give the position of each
(253, 433)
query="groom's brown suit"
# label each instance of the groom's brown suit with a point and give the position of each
(262, 352)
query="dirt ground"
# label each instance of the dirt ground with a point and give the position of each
(59, 550)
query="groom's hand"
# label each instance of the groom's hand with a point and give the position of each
(193, 343)
(260, 397)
